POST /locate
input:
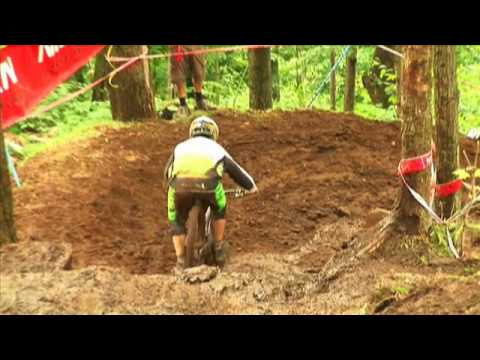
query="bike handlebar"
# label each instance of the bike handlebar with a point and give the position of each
(238, 192)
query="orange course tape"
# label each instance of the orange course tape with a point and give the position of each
(448, 189)
(197, 52)
(416, 164)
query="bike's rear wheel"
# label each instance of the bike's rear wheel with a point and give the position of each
(198, 233)
(192, 234)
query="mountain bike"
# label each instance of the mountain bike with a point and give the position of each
(199, 242)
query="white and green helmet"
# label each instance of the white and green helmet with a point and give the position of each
(204, 126)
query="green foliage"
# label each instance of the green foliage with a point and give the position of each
(65, 134)
(388, 78)
(469, 87)
(159, 70)
(72, 120)
(467, 173)
(459, 223)
(401, 290)
(468, 55)
(71, 113)
(302, 69)
(438, 234)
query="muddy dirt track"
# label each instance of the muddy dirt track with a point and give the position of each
(105, 196)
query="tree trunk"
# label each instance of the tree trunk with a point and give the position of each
(260, 73)
(398, 73)
(7, 223)
(416, 132)
(446, 116)
(132, 98)
(373, 81)
(275, 80)
(333, 82)
(349, 100)
(101, 69)
(297, 71)
(170, 91)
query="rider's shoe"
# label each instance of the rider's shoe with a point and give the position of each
(206, 255)
(183, 111)
(203, 105)
(221, 252)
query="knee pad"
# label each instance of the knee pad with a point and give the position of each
(219, 214)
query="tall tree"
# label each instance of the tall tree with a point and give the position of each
(349, 99)
(7, 224)
(446, 117)
(132, 96)
(275, 80)
(398, 80)
(260, 73)
(416, 130)
(333, 82)
(101, 69)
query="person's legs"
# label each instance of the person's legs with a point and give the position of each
(219, 224)
(179, 245)
(198, 66)
(176, 208)
(182, 92)
(199, 99)
(219, 230)
(183, 110)
(178, 75)
(221, 246)
(198, 87)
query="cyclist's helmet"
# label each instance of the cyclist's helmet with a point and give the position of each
(204, 126)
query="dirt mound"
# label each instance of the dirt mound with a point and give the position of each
(105, 196)
(92, 290)
(269, 286)
(413, 293)
(323, 177)
(35, 257)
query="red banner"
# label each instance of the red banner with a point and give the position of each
(28, 73)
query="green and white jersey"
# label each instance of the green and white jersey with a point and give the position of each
(201, 157)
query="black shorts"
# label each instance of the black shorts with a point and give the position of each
(180, 204)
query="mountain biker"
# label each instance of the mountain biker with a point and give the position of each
(194, 171)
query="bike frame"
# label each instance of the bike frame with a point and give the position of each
(205, 235)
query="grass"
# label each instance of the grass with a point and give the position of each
(67, 134)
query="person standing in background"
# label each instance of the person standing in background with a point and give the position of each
(186, 65)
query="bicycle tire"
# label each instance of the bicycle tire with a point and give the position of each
(205, 251)
(192, 234)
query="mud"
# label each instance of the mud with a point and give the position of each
(322, 178)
